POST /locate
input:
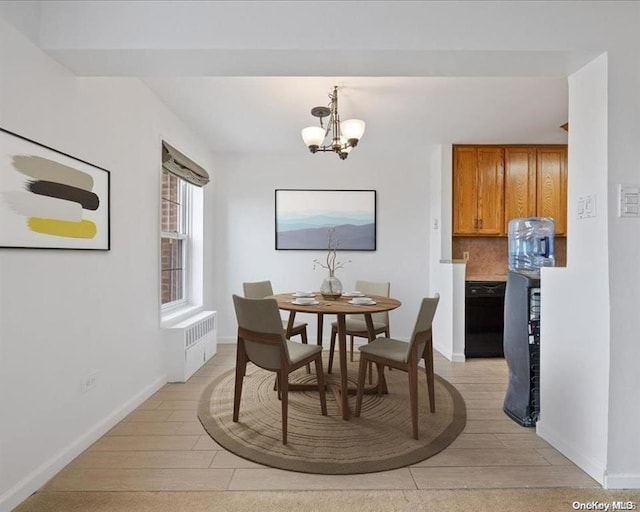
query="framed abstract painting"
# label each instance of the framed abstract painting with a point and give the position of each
(49, 199)
(304, 219)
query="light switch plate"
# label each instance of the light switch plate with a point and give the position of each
(586, 206)
(590, 205)
(629, 200)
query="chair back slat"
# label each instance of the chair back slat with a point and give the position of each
(422, 329)
(257, 289)
(260, 326)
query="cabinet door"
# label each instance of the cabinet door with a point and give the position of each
(490, 189)
(519, 184)
(465, 164)
(552, 186)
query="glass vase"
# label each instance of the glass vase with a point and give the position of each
(331, 287)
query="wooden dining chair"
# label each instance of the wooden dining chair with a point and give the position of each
(261, 341)
(262, 289)
(356, 326)
(404, 356)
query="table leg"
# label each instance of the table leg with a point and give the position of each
(292, 317)
(342, 343)
(372, 336)
(319, 338)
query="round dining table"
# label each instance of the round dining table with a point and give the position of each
(341, 307)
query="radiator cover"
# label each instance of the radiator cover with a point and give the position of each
(189, 344)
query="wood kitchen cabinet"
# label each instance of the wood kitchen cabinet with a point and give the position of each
(536, 184)
(478, 190)
(552, 185)
(494, 184)
(520, 183)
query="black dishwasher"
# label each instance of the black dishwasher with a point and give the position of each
(484, 318)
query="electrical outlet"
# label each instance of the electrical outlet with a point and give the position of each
(88, 382)
(465, 255)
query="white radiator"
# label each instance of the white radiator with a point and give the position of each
(189, 344)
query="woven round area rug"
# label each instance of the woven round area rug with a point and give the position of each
(379, 440)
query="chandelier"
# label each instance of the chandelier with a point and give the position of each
(341, 137)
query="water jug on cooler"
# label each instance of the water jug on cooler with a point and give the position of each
(531, 244)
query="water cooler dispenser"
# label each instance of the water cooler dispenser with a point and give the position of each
(530, 248)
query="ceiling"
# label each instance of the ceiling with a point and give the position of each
(266, 114)
(248, 87)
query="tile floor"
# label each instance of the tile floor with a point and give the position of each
(162, 446)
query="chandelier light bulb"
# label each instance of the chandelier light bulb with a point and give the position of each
(352, 130)
(313, 137)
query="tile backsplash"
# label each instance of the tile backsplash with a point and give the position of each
(488, 255)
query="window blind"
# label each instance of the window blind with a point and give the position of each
(182, 166)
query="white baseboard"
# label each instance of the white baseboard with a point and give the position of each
(49, 468)
(458, 358)
(622, 481)
(454, 357)
(440, 348)
(585, 463)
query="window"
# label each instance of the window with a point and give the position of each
(181, 235)
(175, 239)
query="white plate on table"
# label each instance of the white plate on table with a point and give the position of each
(304, 302)
(354, 293)
(303, 294)
(370, 302)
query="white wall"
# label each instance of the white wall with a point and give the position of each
(445, 276)
(67, 314)
(574, 349)
(624, 271)
(245, 229)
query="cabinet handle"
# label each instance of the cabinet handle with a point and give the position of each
(480, 223)
(475, 223)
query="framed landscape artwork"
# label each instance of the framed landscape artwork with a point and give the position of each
(51, 200)
(304, 218)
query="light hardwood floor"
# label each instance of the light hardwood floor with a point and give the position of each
(162, 446)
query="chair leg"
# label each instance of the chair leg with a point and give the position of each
(284, 390)
(305, 341)
(362, 370)
(241, 365)
(413, 397)
(332, 348)
(321, 384)
(351, 349)
(387, 334)
(428, 366)
(280, 391)
(370, 368)
(382, 382)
